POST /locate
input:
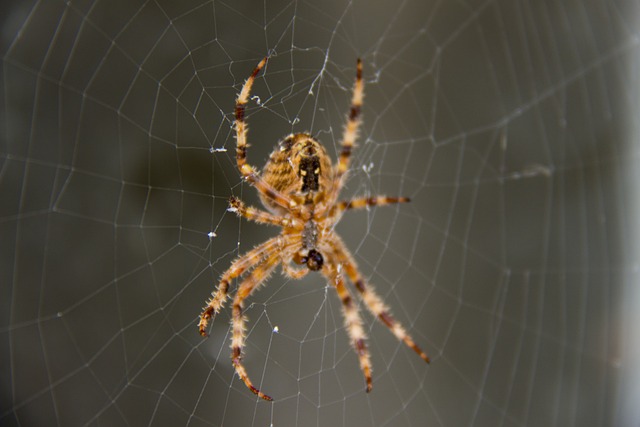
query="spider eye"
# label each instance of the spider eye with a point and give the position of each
(314, 260)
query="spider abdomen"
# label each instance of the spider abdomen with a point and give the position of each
(300, 168)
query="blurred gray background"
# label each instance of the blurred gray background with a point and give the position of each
(510, 124)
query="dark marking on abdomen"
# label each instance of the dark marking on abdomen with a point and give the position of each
(310, 172)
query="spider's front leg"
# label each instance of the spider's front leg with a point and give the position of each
(349, 136)
(249, 172)
(292, 272)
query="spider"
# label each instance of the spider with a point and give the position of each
(300, 187)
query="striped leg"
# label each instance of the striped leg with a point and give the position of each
(236, 205)
(249, 172)
(238, 267)
(241, 127)
(352, 321)
(292, 272)
(363, 202)
(349, 136)
(353, 124)
(372, 300)
(238, 320)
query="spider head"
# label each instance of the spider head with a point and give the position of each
(314, 260)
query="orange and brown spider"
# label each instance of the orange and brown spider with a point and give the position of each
(300, 188)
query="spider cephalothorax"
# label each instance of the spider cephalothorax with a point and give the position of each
(300, 187)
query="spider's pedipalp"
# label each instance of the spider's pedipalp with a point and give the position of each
(292, 272)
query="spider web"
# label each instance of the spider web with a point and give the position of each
(511, 125)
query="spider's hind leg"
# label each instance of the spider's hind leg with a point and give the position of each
(253, 214)
(238, 267)
(238, 320)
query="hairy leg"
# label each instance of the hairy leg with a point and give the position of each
(238, 267)
(253, 214)
(372, 300)
(352, 320)
(238, 320)
(364, 202)
(352, 126)
(349, 136)
(249, 172)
